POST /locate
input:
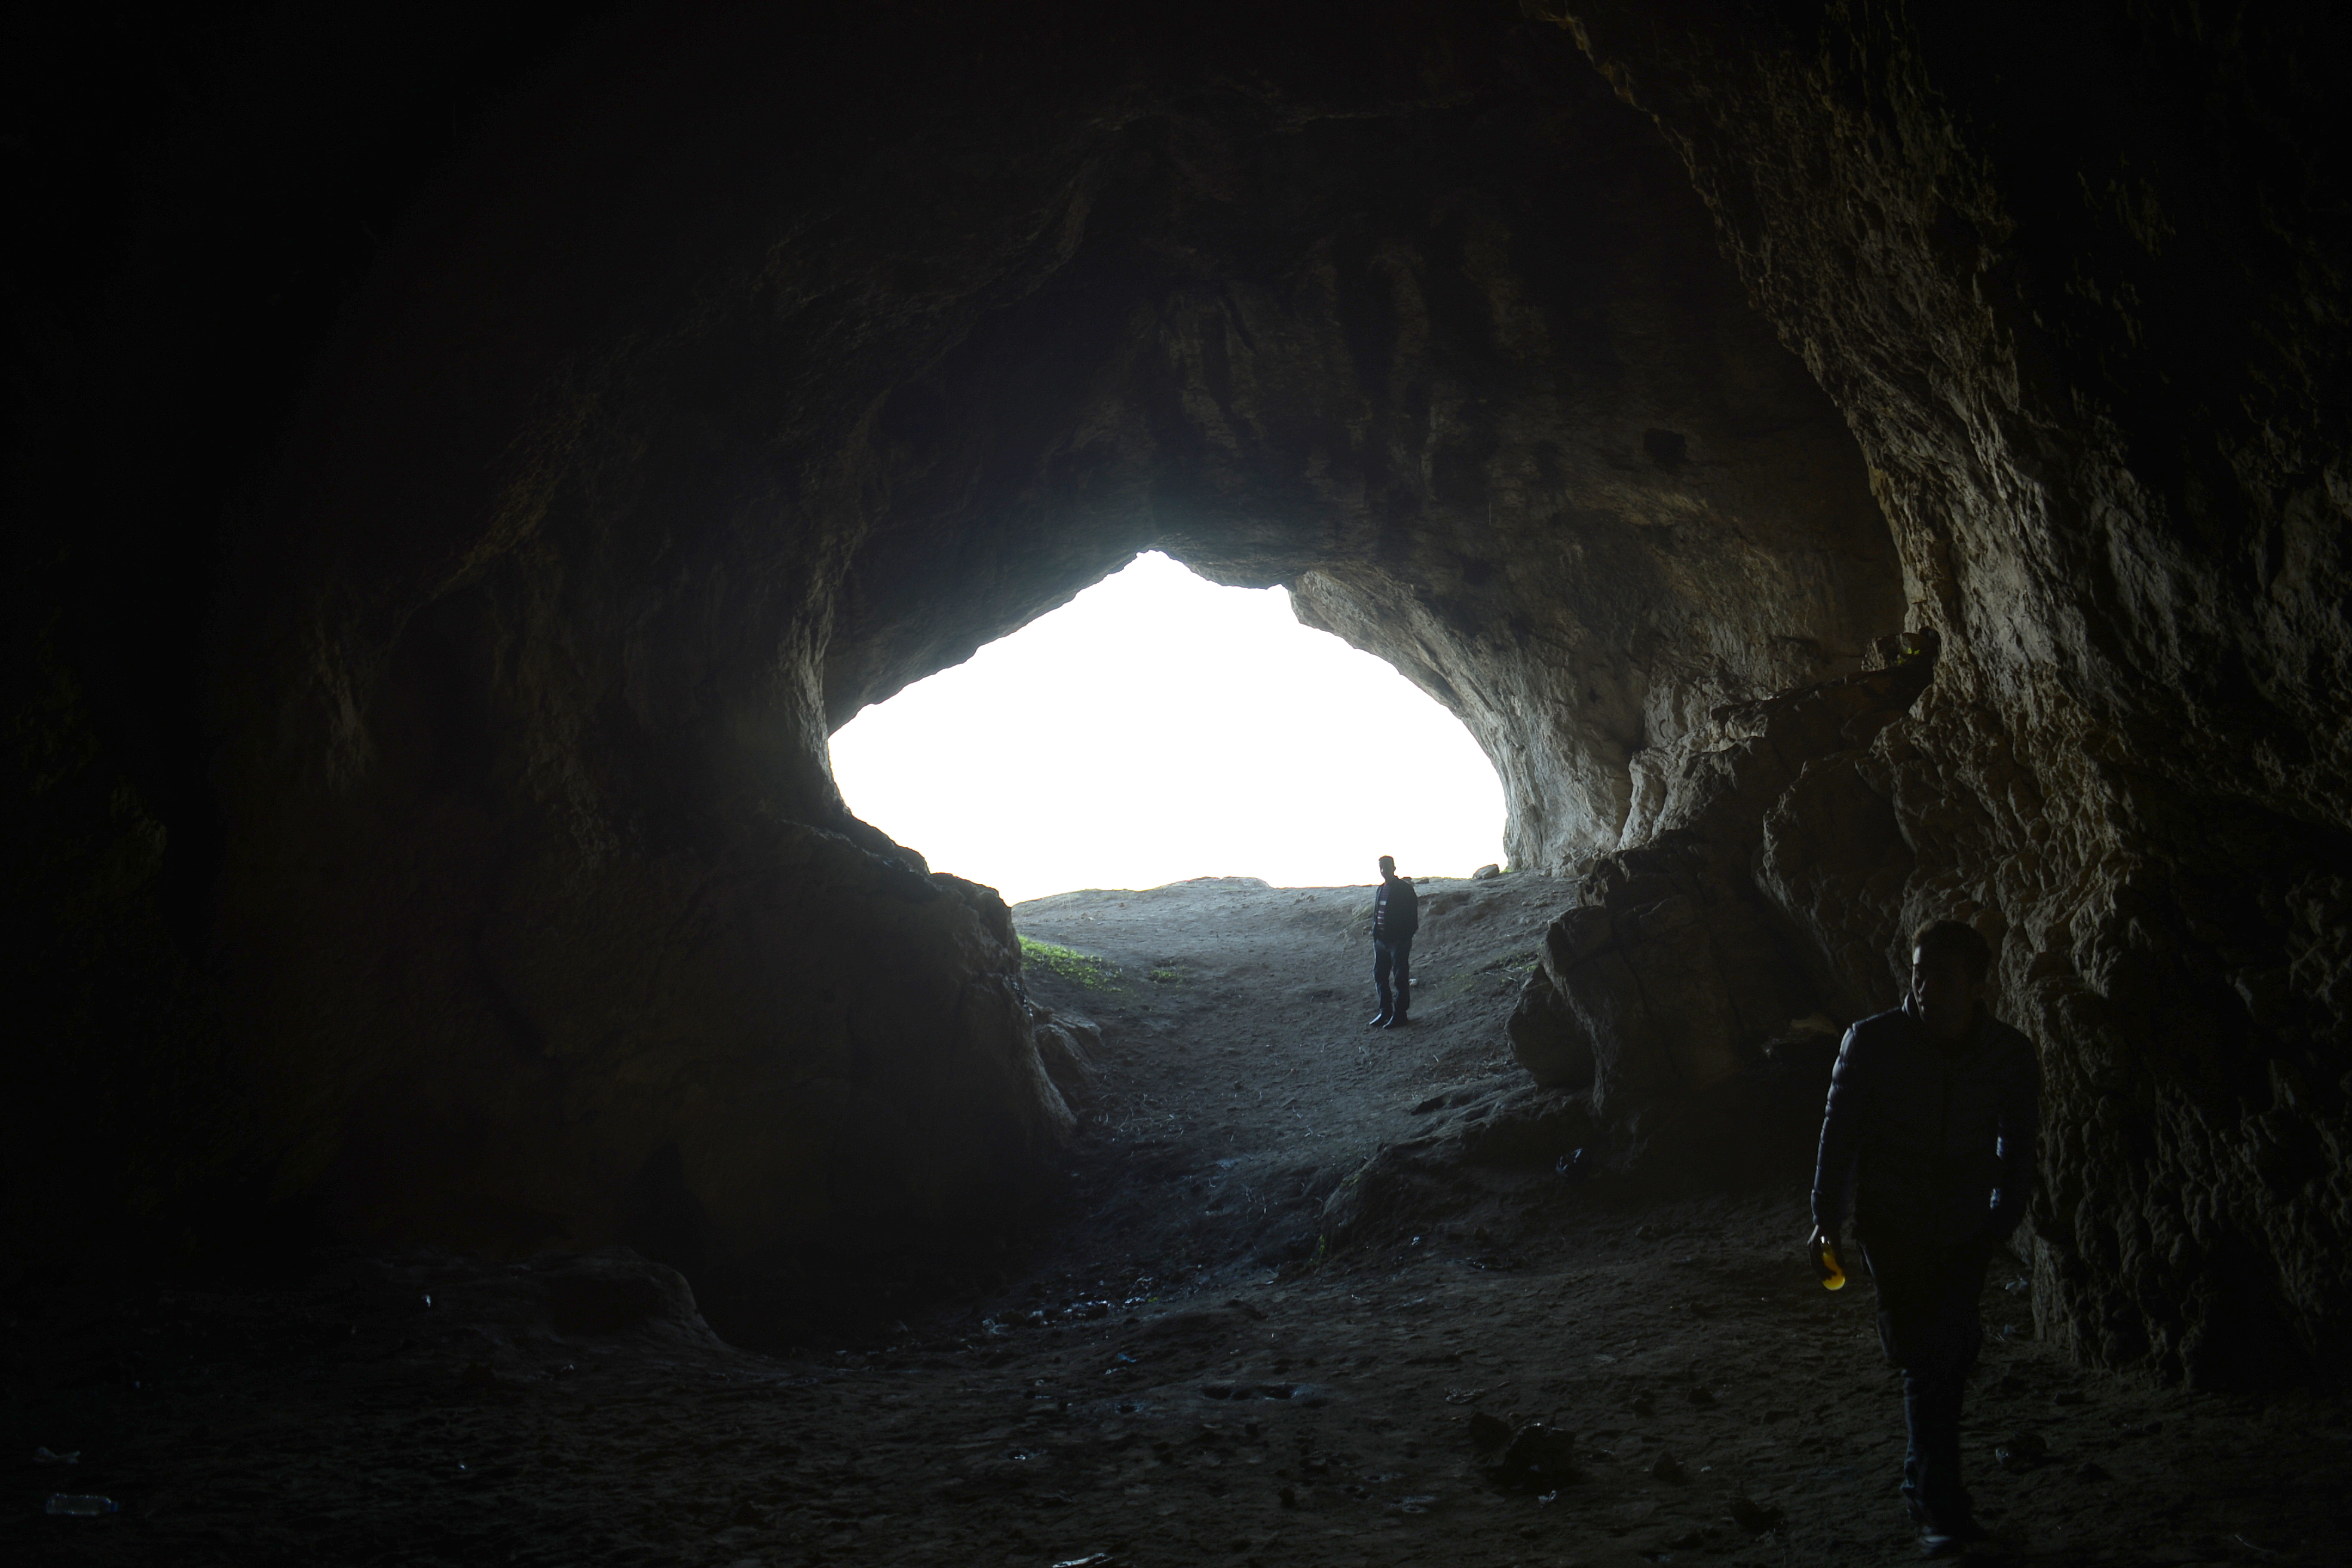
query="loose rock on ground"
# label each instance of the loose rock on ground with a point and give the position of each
(1164, 1372)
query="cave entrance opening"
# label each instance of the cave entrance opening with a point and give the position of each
(1161, 727)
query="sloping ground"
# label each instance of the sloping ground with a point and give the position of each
(1155, 1377)
(1236, 1064)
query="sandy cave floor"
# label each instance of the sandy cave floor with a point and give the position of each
(1166, 1373)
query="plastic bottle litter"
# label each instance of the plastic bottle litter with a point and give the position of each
(84, 1505)
(1826, 1264)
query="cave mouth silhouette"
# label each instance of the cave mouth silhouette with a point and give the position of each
(1802, 445)
(651, 448)
(1169, 728)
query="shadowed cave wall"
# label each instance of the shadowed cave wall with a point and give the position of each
(531, 843)
(2077, 281)
(729, 372)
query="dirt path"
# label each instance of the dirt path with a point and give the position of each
(1166, 1380)
(1240, 1083)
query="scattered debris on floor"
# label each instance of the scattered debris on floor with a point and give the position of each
(1658, 1377)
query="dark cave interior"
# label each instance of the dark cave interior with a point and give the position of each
(1847, 464)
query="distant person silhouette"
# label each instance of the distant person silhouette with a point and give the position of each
(1929, 1135)
(1396, 915)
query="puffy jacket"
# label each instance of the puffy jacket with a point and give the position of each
(1396, 910)
(1934, 1147)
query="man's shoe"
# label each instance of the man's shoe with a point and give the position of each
(1398, 1022)
(1936, 1541)
(1950, 1540)
(1379, 1020)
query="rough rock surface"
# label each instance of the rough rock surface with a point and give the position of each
(1142, 1378)
(2066, 275)
(551, 917)
(1670, 971)
(420, 817)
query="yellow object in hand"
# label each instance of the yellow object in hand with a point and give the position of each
(1832, 1272)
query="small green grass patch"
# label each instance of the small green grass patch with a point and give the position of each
(1069, 963)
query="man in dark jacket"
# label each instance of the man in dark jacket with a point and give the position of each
(1929, 1136)
(1395, 917)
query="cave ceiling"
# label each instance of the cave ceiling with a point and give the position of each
(1846, 465)
(1442, 343)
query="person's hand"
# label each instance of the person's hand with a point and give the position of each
(1819, 1250)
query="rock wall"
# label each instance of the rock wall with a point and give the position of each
(424, 816)
(1678, 964)
(658, 446)
(2069, 275)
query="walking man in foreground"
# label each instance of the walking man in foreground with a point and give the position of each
(1930, 1138)
(1395, 917)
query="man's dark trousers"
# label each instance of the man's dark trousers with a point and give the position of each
(1393, 956)
(1928, 1325)
(1930, 1146)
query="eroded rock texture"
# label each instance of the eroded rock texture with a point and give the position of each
(2069, 277)
(1677, 964)
(732, 370)
(665, 443)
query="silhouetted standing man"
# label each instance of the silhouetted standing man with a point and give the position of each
(1929, 1132)
(1396, 915)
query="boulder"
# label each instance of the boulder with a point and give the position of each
(1068, 1045)
(771, 1083)
(1677, 964)
(1547, 1036)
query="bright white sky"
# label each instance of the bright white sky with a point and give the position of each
(1159, 727)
